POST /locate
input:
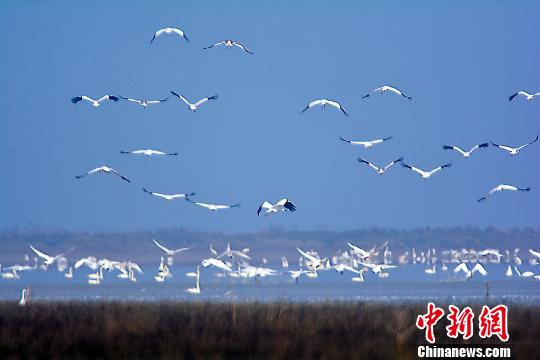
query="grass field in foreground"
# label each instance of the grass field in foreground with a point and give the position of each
(116, 330)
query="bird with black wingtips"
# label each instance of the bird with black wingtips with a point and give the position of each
(170, 197)
(148, 152)
(104, 170)
(380, 170)
(464, 153)
(168, 31)
(323, 102)
(527, 95)
(426, 174)
(95, 103)
(229, 44)
(193, 107)
(387, 88)
(280, 206)
(502, 187)
(143, 102)
(366, 143)
(514, 150)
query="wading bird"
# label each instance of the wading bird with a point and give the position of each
(229, 44)
(105, 170)
(281, 205)
(195, 106)
(387, 88)
(503, 187)
(323, 103)
(380, 170)
(95, 103)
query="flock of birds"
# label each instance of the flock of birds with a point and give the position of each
(235, 263)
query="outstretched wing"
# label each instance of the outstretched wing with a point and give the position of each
(181, 98)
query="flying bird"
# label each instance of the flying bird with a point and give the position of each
(528, 96)
(193, 107)
(105, 170)
(169, 197)
(281, 205)
(229, 44)
(466, 154)
(47, 259)
(143, 103)
(95, 103)
(148, 152)
(366, 143)
(323, 103)
(469, 273)
(426, 174)
(213, 207)
(169, 252)
(514, 150)
(380, 170)
(169, 30)
(387, 88)
(503, 187)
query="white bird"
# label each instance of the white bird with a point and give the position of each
(431, 271)
(193, 107)
(197, 289)
(503, 187)
(514, 150)
(295, 274)
(89, 261)
(363, 254)
(47, 259)
(426, 174)
(229, 44)
(169, 252)
(380, 170)
(69, 274)
(169, 197)
(95, 103)
(508, 271)
(169, 30)
(313, 263)
(466, 154)
(148, 152)
(378, 268)
(233, 253)
(386, 88)
(535, 253)
(105, 170)
(366, 143)
(469, 273)
(528, 96)
(143, 102)
(217, 263)
(280, 206)
(25, 296)
(213, 207)
(323, 103)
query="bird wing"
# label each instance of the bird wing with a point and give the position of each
(307, 256)
(375, 167)
(312, 104)
(119, 175)
(461, 267)
(216, 44)
(290, 206)
(337, 105)
(480, 268)
(181, 98)
(180, 32)
(392, 163)
(530, 143)
(242, 47)
(40, 254)
(161, 246)
(176, 251)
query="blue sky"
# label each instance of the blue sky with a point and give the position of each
(458, 60)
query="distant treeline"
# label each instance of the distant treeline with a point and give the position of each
(271, 244)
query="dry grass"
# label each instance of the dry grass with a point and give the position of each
(115, 330)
